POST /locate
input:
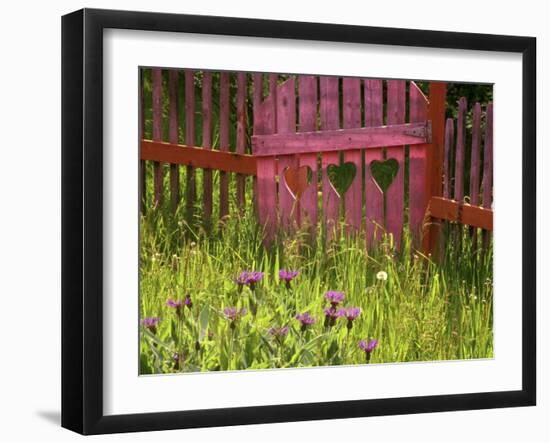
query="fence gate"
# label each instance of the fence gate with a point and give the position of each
(287, 151)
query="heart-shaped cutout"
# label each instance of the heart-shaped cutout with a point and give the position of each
(298, 179)
(341, 176)
(384, 172)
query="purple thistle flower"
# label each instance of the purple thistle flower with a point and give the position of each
(151, 323)
(233, 314)
(253, 278)
(278, 333)
(242, 278)
(176, 304)
(335, 297)
(287, 276)
(187, 301)
(350, 313)
(331, 314)
(368, 347)
(249, 278)
(305, 319)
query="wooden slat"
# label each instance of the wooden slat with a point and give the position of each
(353, 200)
(395, 194)
(418, 199)
(241, 133)
(475, 154)
(449, 142)
(330, 119)
(466, 214)
(374, 204)
(460, 141)
(257, 98)
(308, 122)
(286, 123)
(224, 141)
(488, 167)
(198, 157)
(207, 141)
(190, 137)
(157, 132)
(474, 163)
(142, 170)
(342, 139)
(265, 172)
(434, 164)
(173, 136)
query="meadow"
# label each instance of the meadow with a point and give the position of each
(214, 298)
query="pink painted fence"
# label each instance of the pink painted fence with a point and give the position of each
(233, 142)
(341, 118)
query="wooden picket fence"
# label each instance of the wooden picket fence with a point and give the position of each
(282, 136)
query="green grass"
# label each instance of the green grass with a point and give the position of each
(424, 311)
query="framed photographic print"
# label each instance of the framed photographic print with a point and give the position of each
(270, 221)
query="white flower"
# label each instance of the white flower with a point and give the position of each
(382, 275)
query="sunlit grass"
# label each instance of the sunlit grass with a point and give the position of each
(424, 311)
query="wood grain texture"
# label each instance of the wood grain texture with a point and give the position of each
(330, 119)
(459, 156)
(395, 194)
(434, 182)
(266, 171)
(451, 210)
(286, 123)
(475, 155)
(449, 144)
(142, 167)
(157, 133)
(418, 174)
(207, 142)
(488, 169)
(241, 133)
(198, 157)
(353, 200)
(173, 136)
(341, 139)
(307, 90)
(190, 182)
(374, 198)
(224, 141)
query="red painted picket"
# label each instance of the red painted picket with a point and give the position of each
(173, 135)
(224, 141)
(264, 123)
(286, 123)
(308, 122)
(207, 141)
(449, 143)
(190, 135)
(395, 198)
(330, 119)
(459, 159)
(418, 197)
(487, 183)
(353, 200)
(157, 132)
(474, 163)
(374, 207)
(241, 133)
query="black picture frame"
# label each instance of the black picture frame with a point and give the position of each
(82, 218)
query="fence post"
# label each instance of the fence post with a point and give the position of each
(434, 170)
